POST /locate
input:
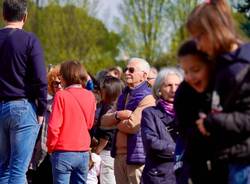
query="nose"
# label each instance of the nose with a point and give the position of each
(174, 88)
(189, 77)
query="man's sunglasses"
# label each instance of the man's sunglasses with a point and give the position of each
(150, 78)
(129, 69)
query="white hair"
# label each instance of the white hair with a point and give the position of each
(159, 81)
(144, 65)
(153, 70)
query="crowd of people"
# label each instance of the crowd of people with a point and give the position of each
(182, 125)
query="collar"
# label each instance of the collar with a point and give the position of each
(141, 85)
(74, 86)
(132, 88)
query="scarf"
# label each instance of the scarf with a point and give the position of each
(167, 107)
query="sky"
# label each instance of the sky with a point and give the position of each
(107, 10)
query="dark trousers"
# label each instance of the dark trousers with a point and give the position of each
(43, 174)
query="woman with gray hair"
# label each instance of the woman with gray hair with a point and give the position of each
(158, 129)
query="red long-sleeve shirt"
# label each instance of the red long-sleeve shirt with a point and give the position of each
(69, 123)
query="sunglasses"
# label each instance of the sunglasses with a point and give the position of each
(129, 69)
(56, 84)
(150, 78)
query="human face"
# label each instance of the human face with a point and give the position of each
(56, 85)
(169, 87)
(134, 75)
(151, 78)
(196, 72)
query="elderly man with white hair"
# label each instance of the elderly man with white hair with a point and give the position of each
(128, 149)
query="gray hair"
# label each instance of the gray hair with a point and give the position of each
(144, 65)
(161, 78)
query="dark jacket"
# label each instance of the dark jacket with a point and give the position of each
(97, 131)
(188, 103)
(229, 123)
(158, 135)
(198, 150)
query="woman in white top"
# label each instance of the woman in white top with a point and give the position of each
(94, 168)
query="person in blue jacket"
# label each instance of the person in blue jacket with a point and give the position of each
(158, 130)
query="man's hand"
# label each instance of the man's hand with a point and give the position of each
(124, 114)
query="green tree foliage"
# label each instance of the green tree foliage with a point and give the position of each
(142, 27)
(178, 17)
(154, 29)
(243, 7)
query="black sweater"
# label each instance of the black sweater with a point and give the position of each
(229, 122)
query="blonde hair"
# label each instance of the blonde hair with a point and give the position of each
(214, 18)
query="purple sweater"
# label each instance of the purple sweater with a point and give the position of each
(22, 68)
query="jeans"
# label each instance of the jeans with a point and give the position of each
(70, 167)
(18, 133)
(239, 174)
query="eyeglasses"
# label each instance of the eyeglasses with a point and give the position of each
(129, 69)
(56, 84)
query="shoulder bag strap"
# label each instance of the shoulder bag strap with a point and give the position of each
(77, 102)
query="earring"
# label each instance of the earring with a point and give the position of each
(159, 93)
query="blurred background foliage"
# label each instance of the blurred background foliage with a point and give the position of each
(68, 32)
(69, 29)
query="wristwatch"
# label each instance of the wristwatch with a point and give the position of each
(116, 116)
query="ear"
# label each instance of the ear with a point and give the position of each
(25, 17)
(145, 75)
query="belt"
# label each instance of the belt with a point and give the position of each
(8, 99)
